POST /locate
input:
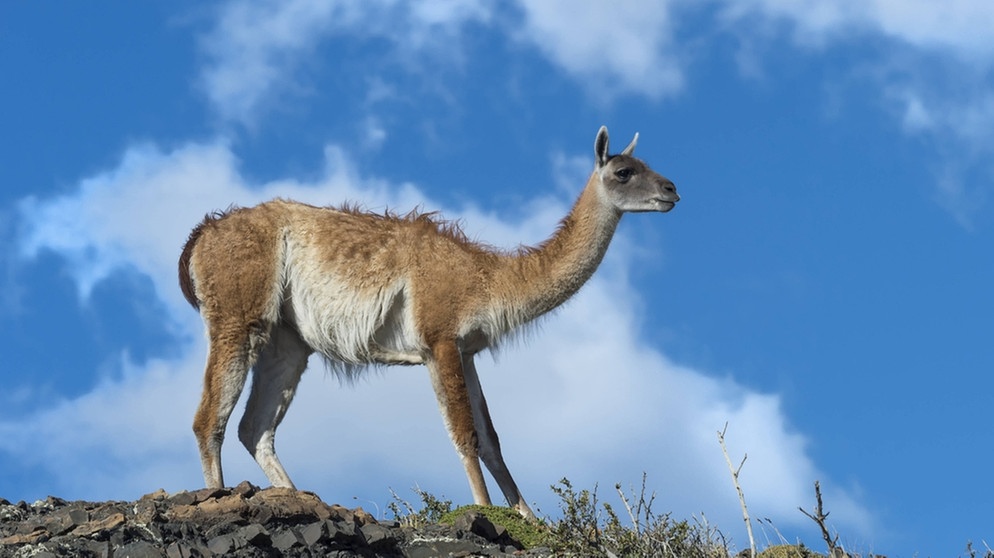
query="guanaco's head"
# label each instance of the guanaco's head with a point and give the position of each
(630, 183)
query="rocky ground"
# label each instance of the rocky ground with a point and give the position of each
(240, 522)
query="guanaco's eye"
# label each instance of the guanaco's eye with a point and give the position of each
(623, 174)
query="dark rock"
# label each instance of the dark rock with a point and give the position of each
(343, 532)
(287, 539)
(79, 516)
(91, 528)
(140, 549)
(32, 525)
(52, 502)
(100, 549)
(224, 544)
(158, 495)
(184, 549)
(476, 523)
(378, 536)
(146, 511)
(239, 522)
(59, 523)
(183, 499)
(255, 535)
(245, 489)
(10, 512)
(442, 547)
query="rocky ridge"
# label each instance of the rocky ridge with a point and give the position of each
(243, 521)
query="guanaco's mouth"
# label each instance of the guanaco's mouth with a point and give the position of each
(663, 205)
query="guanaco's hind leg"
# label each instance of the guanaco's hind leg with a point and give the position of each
(231, 353)
(274, 382)
(445, 369)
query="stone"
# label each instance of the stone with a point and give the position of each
(287, 539)
(10, 512)
(342, 532)
(146, 511)
(32, 524)
(261, 514)
(100, 549)
(443, 547)
(377, 535)
(255, 535)
(52, 502)
(183, 498)
(314, 533)
(362, 517)
(179, 550)
(223, 544)
(34, 537)
(139, 549)
(91, 528)
(59, 523)
(157, 496)
(478, 524)
(79, 516)
(186, 549)
(245, 489)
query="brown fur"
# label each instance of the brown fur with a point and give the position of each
(185, 281)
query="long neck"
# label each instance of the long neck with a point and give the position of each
(535, 281)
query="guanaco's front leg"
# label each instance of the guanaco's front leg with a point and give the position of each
(445, 368)
(489, 444)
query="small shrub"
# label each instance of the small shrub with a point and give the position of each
(578, 533)
(431, 511)
(581, 532)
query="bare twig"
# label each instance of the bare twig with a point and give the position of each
(819, 517)
(738, 488)
(632, 515)
(780, 538)
(641, 514)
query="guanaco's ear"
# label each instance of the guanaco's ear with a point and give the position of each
(600, 147)
(631, 146)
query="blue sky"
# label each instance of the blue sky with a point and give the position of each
(824, 286)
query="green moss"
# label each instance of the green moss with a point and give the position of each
(788, 551)
(530, 534)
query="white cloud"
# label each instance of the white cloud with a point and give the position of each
(583, 398)
(611, 48)
(256, 47)
(960, 26)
